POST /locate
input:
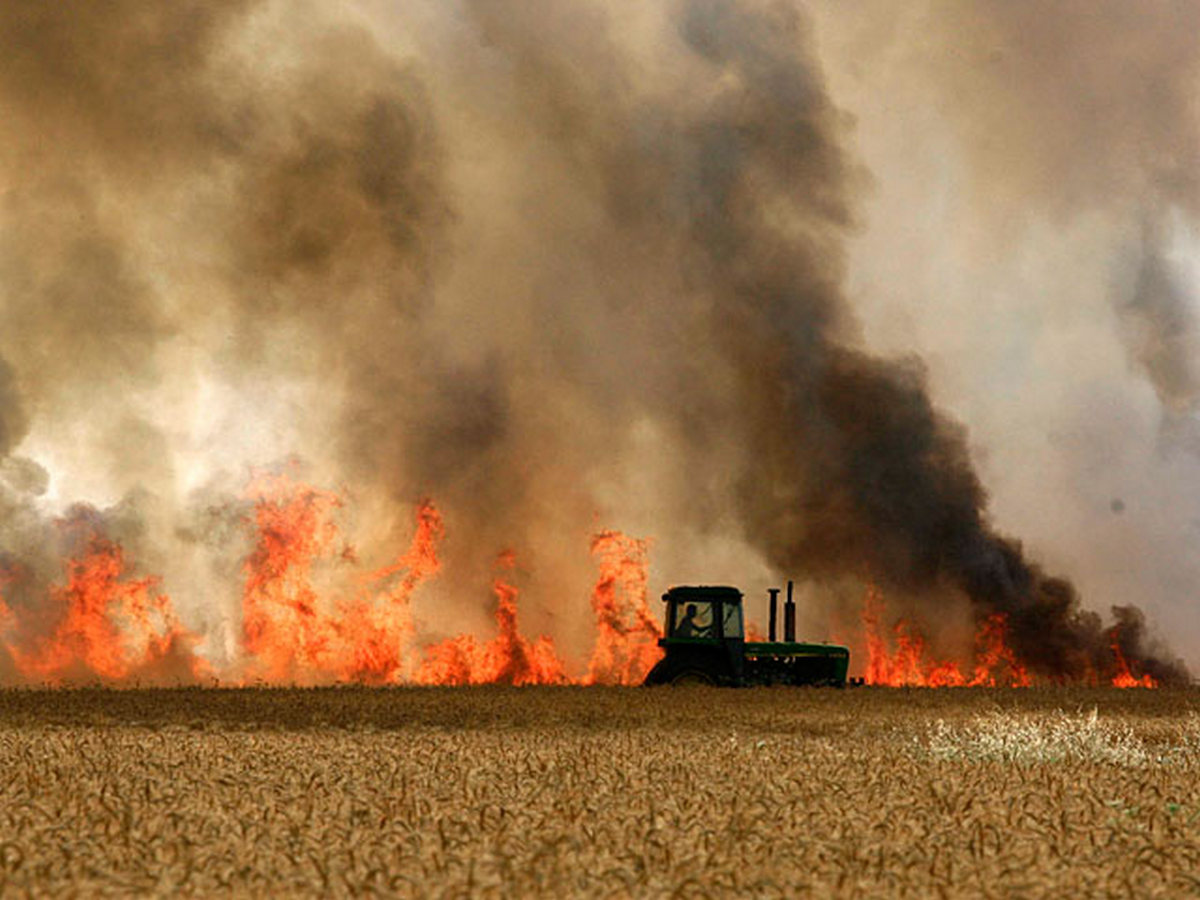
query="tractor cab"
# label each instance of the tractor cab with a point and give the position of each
(704, 637)
(715, 614)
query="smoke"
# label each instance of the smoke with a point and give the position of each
(846, 465)
(1033, 238)
(13, 422)
(215, 224)
(546, 265)
(1088, 111)
(1160, 330)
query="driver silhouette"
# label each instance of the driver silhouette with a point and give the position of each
(689, 627)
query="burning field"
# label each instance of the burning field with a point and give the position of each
(427, 343)
(564, 792)
(367, 370)
(411, 344)
(111, 626)
(312, 614)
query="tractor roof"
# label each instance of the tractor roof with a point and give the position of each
(704, 592)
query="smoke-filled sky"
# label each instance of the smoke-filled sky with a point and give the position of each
(889, 293)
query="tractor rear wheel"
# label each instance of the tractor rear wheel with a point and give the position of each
(692, 677)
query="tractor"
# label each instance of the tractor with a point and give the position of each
(705, 643)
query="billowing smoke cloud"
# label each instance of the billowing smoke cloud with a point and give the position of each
(201, 203)
(1082, 110)
(539, 263)
(845, 465)
(1160, 330)
(1038, 195)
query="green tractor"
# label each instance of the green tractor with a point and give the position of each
(705, 644)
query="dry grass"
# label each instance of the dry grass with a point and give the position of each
(601, 792)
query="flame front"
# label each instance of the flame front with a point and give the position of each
(291, 634)
(110, 626)
(310, 616)
(626, 632)
(908, 663)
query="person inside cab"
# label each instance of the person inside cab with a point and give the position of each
(691, 626)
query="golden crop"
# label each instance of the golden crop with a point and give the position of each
(600, 792)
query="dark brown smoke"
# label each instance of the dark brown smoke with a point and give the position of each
(864, 471)
(511, 257)
(849, 466)
(1067, 134)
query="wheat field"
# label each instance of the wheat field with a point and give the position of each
(606, 792)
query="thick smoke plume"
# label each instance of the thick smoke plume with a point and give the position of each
(545, 264)
(1038, 219)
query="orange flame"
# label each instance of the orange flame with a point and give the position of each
(1124, 677)
(379, 627)
(910, 666)
(289, 634)
(7, 619)
(287, 631)
(508, 658)
(111, 628)
(626, 632)
(299, 626)
(296, 627)
(118, 628)
(284, 629)
(993, 654)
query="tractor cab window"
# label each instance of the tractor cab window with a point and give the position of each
(693, 619)
(731, 626)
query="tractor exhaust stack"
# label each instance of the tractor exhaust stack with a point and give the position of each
(789, 617)
(774, 592)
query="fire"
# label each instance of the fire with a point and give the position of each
(626, 632)
(285, 631)
(995, 663)
(508, 658)
(110, 626)
(377, 623)
(289, 631)
(992, 655)
(1124, 677)
(910, 665)
(311, 615)
(7, 619)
